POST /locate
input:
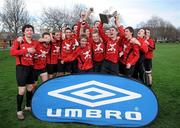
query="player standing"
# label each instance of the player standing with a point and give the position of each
(24, 52)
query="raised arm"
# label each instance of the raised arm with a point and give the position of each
(102, 34)
(119, 26)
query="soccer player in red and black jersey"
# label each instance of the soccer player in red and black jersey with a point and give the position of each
(75, 30)
(149, 57)
(83, 25)
(40, 58)
(85, 63)
(98, 51)
(52, 57)
(84, 28)
(129, 54)
(68, 46)
(139, 72)
(24, 52)
(110, 64)
(83, 54)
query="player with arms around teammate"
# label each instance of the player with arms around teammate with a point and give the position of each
(129, 54)
(40, 58)
(139, 72)
(53, 55)
(24, 52)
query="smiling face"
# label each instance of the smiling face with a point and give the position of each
(113, 32)
(141, 33)
(96, 37)
(75, 28)
(28, 32)
(47, 37)
(83, 42)
(57, 36)
(68, 33)
(87, 32)
(148, 33)
(128, 34)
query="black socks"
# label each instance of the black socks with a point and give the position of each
(28, 98)
(19, 102)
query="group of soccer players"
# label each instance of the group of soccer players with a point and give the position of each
(82, 48)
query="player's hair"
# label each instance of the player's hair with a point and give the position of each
(27, 26)
(95, 32)
(83, 36)
(74, 26)
(130, 29)
(96, 21)
(141, 28)
(114, 28)
(45, 33)
(68, 29)
(147, 29)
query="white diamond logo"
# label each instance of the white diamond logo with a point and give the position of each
(102, 94)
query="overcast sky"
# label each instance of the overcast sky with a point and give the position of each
(132, 11)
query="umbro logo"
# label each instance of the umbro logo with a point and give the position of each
(94, 93)
(98, 99)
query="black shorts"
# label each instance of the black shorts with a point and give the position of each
(123, 70)
(110, 67)
(60, 67)
(85, 71)
(51, 68)
(148, 64)
(129, 72)
(24, 75)
(66, 67)
(38, 72)
(74, 66)
(97, 66)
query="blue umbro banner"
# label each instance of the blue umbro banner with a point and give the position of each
(95, 99)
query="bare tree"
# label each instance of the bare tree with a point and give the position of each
(14, 15)
(77, 9)
(161, 30)
(54, 18)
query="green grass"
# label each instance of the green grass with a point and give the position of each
(166, 85)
